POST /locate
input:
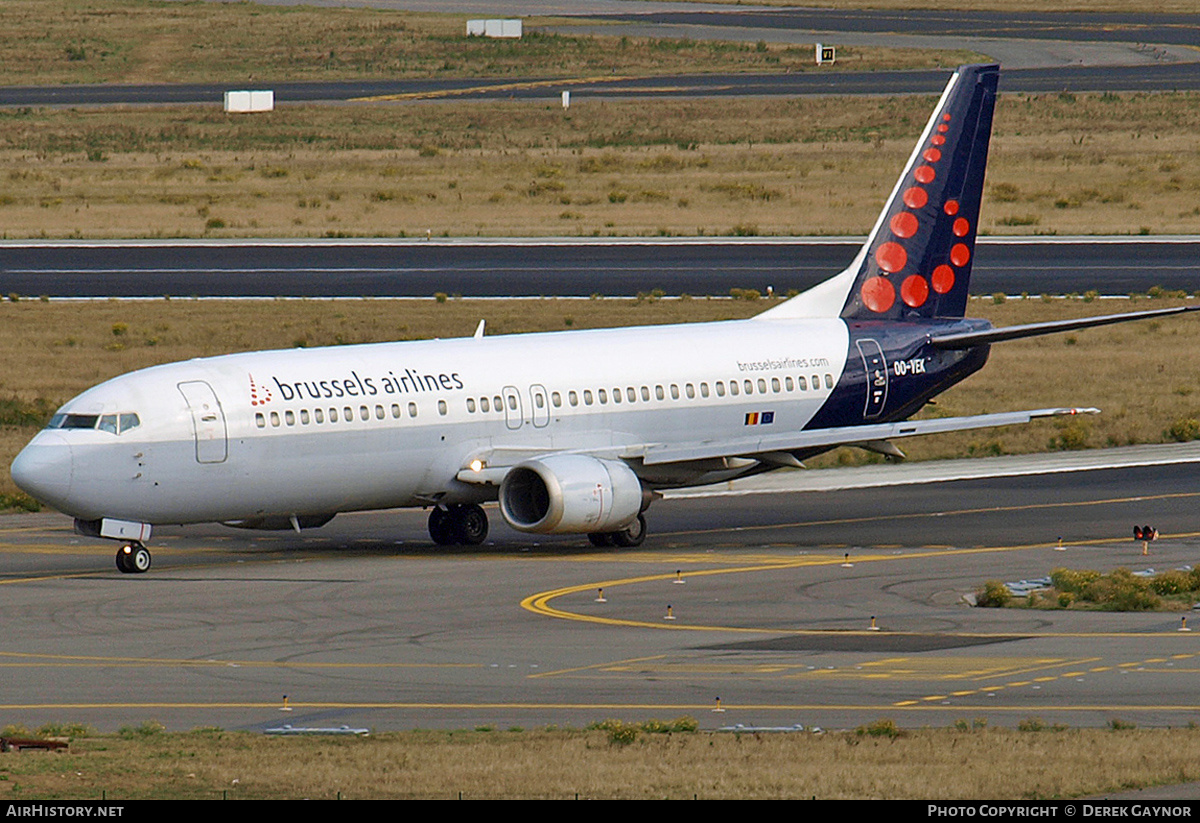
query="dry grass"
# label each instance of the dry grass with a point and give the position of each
(1061, 164)
(150, 41)
(1144, 375)
(990, 764)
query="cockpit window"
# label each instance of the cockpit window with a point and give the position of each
(78, 421)
(112, 423)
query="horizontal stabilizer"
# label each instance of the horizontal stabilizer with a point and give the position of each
(966, 340)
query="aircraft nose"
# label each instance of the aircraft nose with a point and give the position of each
(43, 469)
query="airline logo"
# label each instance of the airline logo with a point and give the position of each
(759, 418)
(259, 395)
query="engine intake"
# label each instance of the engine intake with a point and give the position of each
(570, 494)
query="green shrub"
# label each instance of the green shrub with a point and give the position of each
(1183, 430)
(621, 734)
(993, 595)
(1072, 436)
(883, 727)
(679, 724)
(1172, 582)
(1121, 591)
(65, 730)
(1072, 580)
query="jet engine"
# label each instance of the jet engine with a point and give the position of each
(570, 494)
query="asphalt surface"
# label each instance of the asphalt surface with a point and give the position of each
(1157, 52)
(365, 623)
(554, 267)
(1161, 77)
(1140, 27)
(1162, 47)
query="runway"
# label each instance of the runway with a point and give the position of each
(364, 623)
(562, 267)
(1041, 52)
(1167, 76)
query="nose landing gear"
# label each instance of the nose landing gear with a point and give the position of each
(133, 558)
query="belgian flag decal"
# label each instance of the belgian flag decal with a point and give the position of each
(760, 418)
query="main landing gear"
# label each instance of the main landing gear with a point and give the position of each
(466, 525)
(133, 558)
(627, 538)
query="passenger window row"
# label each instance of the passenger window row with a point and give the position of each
(347, 414)
(629, 394)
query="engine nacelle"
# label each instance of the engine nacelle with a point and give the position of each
(570, 494)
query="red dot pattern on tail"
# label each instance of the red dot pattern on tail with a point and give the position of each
(891, 257)
(879, 293)
(943, 279)
(904, 224)
(914, 290)
(915, 197)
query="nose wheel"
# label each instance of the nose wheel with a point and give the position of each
(133, 558)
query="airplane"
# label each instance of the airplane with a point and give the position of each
(573, 432)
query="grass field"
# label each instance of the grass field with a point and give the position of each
(874, 762)
(157, 41)
(1061, 164)
(1145, 376)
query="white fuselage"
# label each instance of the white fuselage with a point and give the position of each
(314, 432)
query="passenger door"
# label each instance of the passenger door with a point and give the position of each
(208, 421)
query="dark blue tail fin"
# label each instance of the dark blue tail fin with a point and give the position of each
(917, 261)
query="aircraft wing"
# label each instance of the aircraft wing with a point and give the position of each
(831, 437)
(774, 448)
